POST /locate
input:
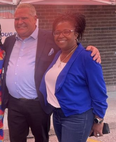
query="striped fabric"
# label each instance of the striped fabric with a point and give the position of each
(2, 53)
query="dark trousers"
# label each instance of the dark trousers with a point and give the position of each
(24, 114)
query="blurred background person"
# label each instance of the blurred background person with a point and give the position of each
(2, 53)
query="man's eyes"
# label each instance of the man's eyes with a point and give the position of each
(23, 18)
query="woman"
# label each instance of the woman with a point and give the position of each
(74, 84)
(1, 111)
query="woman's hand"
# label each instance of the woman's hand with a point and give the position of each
(95, 53)
(97, 129)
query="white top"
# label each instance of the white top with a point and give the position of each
(50, 80)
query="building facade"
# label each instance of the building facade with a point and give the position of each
(100, 30)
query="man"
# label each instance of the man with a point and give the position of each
(28, 54)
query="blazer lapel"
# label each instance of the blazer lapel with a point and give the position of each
(42, 37)
(9, 50)
(40, 45)
(62, 76)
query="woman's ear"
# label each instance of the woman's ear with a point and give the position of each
(76, 35)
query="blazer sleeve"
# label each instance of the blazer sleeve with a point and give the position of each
(96, 84)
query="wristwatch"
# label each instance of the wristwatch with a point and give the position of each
(98, 121)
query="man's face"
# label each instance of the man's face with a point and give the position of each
(24, 22)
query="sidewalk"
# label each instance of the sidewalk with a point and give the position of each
(109, 118)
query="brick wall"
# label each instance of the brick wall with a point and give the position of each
(100, 32)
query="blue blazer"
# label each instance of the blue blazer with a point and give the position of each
(46, 50)
(80, 86)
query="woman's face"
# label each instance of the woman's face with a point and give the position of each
(65, 36)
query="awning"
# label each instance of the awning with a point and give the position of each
(60, 2)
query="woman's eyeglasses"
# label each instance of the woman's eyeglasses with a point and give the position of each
(65, 32)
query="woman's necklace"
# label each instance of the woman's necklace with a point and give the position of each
(66, 56)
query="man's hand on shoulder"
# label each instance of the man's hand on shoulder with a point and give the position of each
(95, 53)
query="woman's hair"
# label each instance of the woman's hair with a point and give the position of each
(76, 19)
(29, 6)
